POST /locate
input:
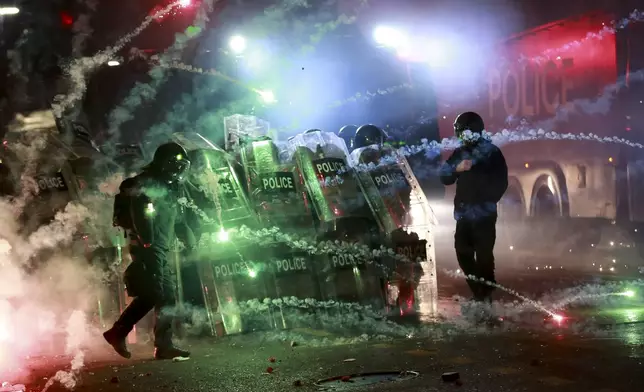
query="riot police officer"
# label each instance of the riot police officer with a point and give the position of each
(147, 208)
(481, 175)
(347, 133)
(368, 135)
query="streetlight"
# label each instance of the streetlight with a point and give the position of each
(9, 11)
(389, 37)
(267, 96)
(237, 44)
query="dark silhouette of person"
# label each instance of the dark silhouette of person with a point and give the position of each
(148, 208)
(481, 175)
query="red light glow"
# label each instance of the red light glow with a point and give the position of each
(66, 19)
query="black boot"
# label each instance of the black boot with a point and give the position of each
(116, 336)
(170, 352)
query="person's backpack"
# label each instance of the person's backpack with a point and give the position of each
(122, 216)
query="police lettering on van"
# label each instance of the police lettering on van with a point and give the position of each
(278, 182)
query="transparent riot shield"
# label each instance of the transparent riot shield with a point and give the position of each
(344, 214)
(236, 288)
(214, 173)
(353, 276)
(276, 188)
(227, 280)
(400, 205)
(295, 275)
(322, 158)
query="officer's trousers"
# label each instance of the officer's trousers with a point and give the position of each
(150, 292)
(474, 243)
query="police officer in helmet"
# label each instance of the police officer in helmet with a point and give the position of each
(147, 208)
(481, 175)
(347, 133)
(368, 135)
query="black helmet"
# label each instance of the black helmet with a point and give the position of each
(369, 134)
(468, 121)
(313, 130)
(170, 161)
(347, 133)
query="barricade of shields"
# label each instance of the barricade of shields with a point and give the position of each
(276, 287)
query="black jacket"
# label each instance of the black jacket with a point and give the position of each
(480, 189)
(157, 216)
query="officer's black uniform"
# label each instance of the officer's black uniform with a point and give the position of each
(478, 191)
(152, 200)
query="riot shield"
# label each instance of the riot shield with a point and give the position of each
(321, 158)
(276, 189)
(231, 271)
(353, 277)
(400, 205)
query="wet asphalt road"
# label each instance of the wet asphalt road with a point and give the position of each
(597, 349)
(486, 361)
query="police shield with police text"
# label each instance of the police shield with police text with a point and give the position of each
(481, 175)
(147, 208)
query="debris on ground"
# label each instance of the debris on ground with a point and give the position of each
(180, 359)
(271, 359)
(345, 379)
(293, 343)
(269, 370)
(535, 362)
(349, 360)
(297, 383)
(451, 377)
(114, 380)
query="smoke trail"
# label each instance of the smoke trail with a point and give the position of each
(76, 336)
(32, 303)
(274, 18)
(123, 112)
(635, 16)
(598, 105)
(42, 279)
(79, 69)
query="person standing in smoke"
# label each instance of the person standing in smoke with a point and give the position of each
(481, 175)
(147, 208)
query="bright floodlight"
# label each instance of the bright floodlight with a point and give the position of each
(558, 318)
(185, 3)
(267, 96)
(389, 37)
(237, 44)
(9, 10)
(113, 63)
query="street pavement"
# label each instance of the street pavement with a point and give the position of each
(485, 360)
(597, 348)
